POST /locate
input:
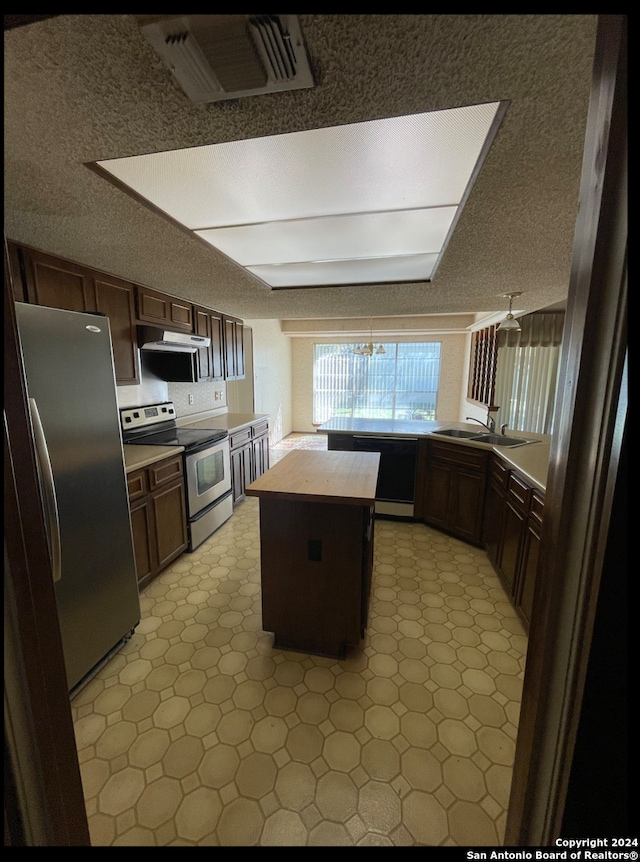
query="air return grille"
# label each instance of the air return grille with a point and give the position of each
(218, 57)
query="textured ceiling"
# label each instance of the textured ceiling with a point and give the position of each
(80, 88)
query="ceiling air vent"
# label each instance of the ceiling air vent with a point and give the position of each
(218, 57)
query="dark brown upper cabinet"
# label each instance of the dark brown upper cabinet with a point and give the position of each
(233, 347)
(57, 283)
(160, 309)
(208, 323)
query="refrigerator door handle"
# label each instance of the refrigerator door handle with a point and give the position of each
(49, 492)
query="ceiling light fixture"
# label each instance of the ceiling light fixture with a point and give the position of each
(510, 323)
(368, 349)
(374, 202)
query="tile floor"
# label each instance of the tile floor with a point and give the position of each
(200, 733)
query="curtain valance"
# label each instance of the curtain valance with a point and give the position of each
(537, 330)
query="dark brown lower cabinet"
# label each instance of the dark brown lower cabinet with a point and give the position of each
(316, 565)
(451, 489)
(530, 554)
(249, 457)
(511, 535)
(158, 516)
(260, 444)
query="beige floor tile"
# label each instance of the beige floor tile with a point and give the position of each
(200, 733)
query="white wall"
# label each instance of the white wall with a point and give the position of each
(272, 373)
(454, 365)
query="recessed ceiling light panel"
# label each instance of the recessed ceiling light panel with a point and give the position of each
(370, 202)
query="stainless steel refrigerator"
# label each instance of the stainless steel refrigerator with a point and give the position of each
(68, 366)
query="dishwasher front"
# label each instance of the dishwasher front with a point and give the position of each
(395, 491)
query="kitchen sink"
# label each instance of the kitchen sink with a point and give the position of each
(501, 440)
(456, 432)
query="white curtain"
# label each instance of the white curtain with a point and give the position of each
(526, 383)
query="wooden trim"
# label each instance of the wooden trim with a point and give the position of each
(591, 413)
(481, 385)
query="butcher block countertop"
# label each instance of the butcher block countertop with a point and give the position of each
(321, 477)
(137, 456)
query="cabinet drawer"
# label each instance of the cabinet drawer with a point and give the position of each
(499, 471)
(260, 428)
(137, 484)
(518, 493)
(239, 438)
(164, 471)
(537, 507)
(460, 455)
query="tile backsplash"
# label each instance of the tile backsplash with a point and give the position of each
(151, 390)
(207, 397)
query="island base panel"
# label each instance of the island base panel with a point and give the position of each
(314, 559)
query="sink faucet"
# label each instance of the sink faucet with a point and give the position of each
(490, 427)
(503, 428)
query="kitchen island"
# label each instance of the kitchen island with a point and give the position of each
(316, 548)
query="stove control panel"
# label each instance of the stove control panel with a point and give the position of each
(147, 416)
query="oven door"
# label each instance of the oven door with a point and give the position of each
(207, 475)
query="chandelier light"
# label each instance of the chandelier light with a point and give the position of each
(369, 349)
(510, 323)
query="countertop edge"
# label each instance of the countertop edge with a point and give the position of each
(138, 456)
(230, 422)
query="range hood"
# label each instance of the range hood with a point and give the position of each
(166, 341)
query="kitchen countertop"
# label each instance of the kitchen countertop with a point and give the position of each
(323, 477)
(229, 421)
(530, 460)
(138, 456)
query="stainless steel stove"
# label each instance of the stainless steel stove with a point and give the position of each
(206, 462)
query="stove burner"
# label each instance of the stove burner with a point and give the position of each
(187, 437)
(155, 425)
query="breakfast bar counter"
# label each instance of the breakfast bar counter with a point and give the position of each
(316, 548)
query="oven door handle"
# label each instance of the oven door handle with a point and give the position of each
(202, 447)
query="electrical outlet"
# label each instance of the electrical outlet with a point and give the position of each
(191, 399)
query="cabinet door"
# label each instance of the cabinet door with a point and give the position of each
(513, 526)
(240, 350)
(58, 283)
(466, 505)
(436, 494)
(260, 456)
(116, 299)
(15, 268)
(209, 324)
(217, 345)
(171, 522)
(160, 309)
(144, 539)
(202, 326)
(529, 567)
(241, 470)
(233, 348)
(530, 553)
(492, 527)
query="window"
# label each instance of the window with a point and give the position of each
(401, 383)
